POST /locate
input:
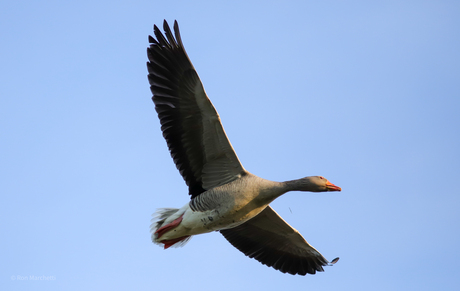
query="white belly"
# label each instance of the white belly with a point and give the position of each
(197, 222)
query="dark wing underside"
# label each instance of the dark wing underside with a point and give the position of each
(270, 240)
(189, 122)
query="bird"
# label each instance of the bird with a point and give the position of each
(225, 197)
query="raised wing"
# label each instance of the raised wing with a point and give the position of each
(273, 242)
(189, 122)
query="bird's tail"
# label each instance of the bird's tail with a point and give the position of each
(158, 220)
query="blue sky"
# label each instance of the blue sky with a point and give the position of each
(365, 93)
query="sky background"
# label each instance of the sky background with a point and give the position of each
(365, 93)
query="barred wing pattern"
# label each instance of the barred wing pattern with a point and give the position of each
(189, 122)
(273, 242)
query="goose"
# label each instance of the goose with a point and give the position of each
(224, 196)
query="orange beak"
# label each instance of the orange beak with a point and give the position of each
(332, 187)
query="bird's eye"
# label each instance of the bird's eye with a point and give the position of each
(321, 177)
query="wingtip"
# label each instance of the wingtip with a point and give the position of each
(334, 261)
(156, 29)
(165, 25)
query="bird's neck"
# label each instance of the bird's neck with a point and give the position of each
(270, 190)
(303, 184)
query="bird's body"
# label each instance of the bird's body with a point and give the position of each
(222, 207)
(225, 206)
(225, 196)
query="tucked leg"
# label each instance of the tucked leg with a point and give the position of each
(171, 242)
(162, 230)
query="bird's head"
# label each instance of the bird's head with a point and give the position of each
(317, 184)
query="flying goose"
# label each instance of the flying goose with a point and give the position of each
(224, 196)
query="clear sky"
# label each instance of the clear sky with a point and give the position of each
(365, 93)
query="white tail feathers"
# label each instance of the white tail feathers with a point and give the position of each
(159, 218)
